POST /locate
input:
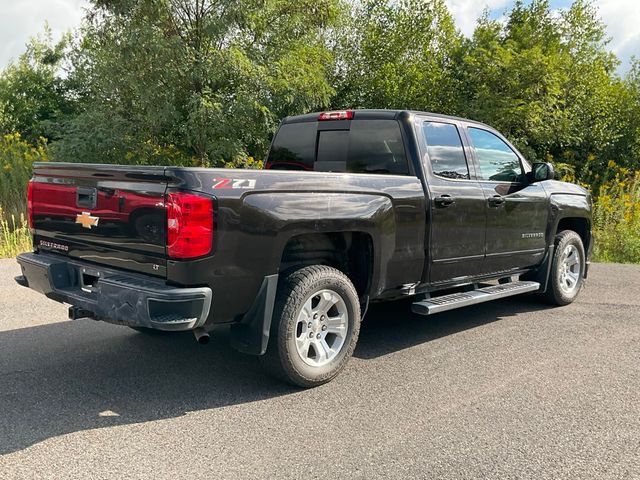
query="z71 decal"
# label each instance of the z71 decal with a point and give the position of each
(233, 183)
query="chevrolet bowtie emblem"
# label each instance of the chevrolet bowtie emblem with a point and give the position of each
(86, 220)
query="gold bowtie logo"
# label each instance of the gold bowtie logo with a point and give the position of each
(86, 220)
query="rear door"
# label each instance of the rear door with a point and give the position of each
(516, 210)
(457, 204)
(106, 214)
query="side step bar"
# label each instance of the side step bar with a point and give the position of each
(480, 295)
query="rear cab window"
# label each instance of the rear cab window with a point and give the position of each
(364, 146)
(294, 147)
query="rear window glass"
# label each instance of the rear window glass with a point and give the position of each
(369, 146)
(375, 146)
(333, 146)
(294, 147)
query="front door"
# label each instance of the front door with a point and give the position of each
(457, 205)
(516, 210)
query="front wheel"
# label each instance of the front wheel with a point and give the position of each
(315, 326)
(567, 269)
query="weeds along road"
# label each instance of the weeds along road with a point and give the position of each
(508, 389)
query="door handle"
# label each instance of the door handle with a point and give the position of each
(444, 200)
(496, 200)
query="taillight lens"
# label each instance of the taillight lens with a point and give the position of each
(189, 225)
(30, 204)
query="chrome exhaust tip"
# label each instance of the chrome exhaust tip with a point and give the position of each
(202, 336)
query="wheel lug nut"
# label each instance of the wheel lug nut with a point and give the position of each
(310, 334)
(324, 327)
(315, 316)
(322, 318)
(309, 325)
(318, 336)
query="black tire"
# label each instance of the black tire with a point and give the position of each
(556, 294)
(295, 290)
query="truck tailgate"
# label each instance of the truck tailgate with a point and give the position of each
(106, 214)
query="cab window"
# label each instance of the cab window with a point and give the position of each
(375, 146)
(445, 151)
(294, 147)
(496, 160)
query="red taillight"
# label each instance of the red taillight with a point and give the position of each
(30, 204)
(189, 225)
(337, 115)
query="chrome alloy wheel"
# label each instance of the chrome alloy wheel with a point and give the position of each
(570, 266)
(321, 328)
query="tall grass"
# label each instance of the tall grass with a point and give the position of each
(14, 235)
(616, 220)
(16, 161)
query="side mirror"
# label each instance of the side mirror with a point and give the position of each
(542, 171)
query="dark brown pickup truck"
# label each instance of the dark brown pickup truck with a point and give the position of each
(353, 207)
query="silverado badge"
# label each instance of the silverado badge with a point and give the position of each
(86, 220)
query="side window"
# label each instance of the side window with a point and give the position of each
(375, 146)
(294, 147)
(495, 158)
(445, 150)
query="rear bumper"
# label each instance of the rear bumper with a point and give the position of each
(115, 296)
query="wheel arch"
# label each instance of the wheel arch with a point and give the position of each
(580, 225)
(351, 252)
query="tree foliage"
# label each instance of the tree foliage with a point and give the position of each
(546, 80)
(397, 55)
(208, 79)
(32, 91)
(205, 82)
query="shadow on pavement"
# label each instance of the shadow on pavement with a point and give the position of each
(68, 377)
(391, 326)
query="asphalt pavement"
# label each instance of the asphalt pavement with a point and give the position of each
(506, 389)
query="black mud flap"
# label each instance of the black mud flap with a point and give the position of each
(542, 272)
(251, 334)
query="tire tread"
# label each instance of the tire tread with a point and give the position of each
(554, 295)
(291, 293)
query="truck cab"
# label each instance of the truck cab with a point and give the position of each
(487, 212)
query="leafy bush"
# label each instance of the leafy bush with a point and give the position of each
(16, 160)
(616, 219)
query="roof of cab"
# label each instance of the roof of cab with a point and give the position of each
(379, 114)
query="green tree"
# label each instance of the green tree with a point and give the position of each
(32, 90)
(632, 137)
(511, 76)
(547, 81)
(207, 80)
(396, 54)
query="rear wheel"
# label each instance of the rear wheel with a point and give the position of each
(567, 269)
(315, 326)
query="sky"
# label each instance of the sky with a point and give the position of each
(22, 19)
